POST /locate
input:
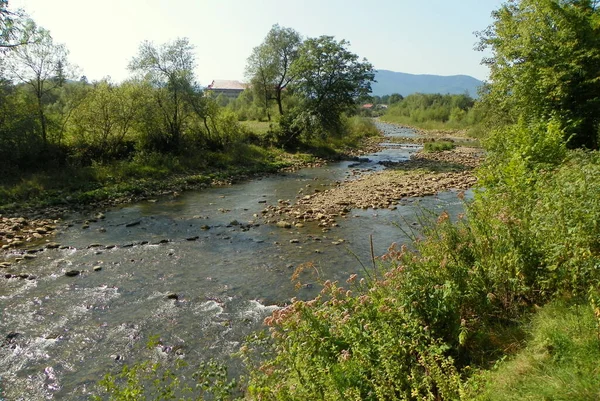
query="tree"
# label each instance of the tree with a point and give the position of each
(269, 65)
(395, 98)
(169, 68)
(41, 65)
(14, 27)
(105, 117)
(330, 80)
(546, 64)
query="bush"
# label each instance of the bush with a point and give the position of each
(438, 146)
(359, 344)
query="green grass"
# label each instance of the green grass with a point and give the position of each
(258, 127)
(560, 362)
(145, 174)
(438, 146)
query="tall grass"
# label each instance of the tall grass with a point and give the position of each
(559, 362)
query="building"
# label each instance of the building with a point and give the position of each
(228, 88)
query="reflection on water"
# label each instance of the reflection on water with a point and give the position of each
(207, 249)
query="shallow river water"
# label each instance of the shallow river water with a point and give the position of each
(59, 334)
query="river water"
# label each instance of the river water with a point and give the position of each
(59, 334)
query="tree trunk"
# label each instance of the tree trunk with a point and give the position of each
(42, 121)
(279, 102)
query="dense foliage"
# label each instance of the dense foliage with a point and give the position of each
(434, 111)
(545, 64)
(319, 78)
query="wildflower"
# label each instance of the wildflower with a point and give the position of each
(345, 355)
(443, 217)
(351, 279)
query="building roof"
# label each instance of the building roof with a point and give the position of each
(227, 84)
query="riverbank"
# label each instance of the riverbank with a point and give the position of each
(34, 220)
(425, 174)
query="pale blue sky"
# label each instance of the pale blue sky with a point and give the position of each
(414, 36)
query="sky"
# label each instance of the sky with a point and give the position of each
(411, 36)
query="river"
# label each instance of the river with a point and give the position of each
(208, 249)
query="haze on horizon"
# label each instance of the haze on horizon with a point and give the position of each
(434, 37)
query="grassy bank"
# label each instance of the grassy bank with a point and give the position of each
(558, 362)
(151, 173)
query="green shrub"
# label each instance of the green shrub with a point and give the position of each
(359, 344)
(438, 146)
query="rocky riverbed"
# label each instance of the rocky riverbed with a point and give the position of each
(424, 174)
(17, 232)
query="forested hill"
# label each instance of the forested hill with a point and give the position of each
(389, 82)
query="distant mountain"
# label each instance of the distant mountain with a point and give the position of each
(389, 82)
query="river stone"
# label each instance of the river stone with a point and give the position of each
(133, 224)
(97, 268)
(52, 245)
(284, 224)
(72, 273)
(205, 227)
(173, 295)
(294, 241)
(192, 238)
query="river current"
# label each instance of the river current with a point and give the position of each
(59, 335)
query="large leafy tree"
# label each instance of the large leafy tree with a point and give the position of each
(41, 65)
(169, 68)
(330, 80)
(545, 64)
(269, 66)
